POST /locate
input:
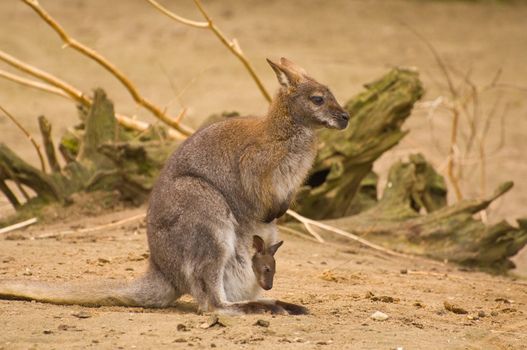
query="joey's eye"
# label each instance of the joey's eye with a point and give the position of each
(318, 100)
(267, 269)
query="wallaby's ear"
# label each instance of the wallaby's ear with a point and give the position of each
(258, 244)
(292, 66)
(287, 77)
(272, 249)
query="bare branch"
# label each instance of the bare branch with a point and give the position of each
(452, 154)
(454, 179)
(60, 87)
(71, 91)
(296, 233)
(18, 225)
(93, 228)
(338, 231)
(437, 57)
(34, 84)
(110, 67)
(28, 135)
(177, 18)
(232, 45)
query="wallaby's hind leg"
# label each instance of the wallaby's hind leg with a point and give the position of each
(153, 290)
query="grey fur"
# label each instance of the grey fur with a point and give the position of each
(223, 185)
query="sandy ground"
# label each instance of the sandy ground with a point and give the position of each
(341, 43)
(337, 282)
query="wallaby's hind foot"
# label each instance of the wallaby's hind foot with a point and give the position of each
(293, 309)
(274, 307)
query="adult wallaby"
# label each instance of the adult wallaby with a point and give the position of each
(226, 183)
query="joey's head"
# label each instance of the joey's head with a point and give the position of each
(264, 265)
(307, 101)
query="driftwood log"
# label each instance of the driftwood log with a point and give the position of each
(412, 217)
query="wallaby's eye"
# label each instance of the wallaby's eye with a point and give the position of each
(318, 100)
(267, 269)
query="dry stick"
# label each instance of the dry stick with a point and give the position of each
(71, 91)
(455, 112)
(110, 67)
(346, 234)
(452, 153)
(60, 87)
(232, 45)
(28, 135)
(18, 225)
(34, 84)
(296, 233)
(94, 228)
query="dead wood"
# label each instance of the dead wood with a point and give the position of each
(343, 167)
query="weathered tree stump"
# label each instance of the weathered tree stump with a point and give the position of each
(99, 155)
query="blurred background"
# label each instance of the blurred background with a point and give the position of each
(344, 44)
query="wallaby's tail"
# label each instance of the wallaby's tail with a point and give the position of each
(150, 290)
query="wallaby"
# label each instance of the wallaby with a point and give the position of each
(226, 183)
(264, 264)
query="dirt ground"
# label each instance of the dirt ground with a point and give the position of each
(342, 285)
(341, 43)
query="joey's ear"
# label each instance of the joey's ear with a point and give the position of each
(286, 77)
(258, 244)
(272, 249)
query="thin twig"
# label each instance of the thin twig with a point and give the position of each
(305, 222)
(296, 233)
(18, 225)
(452, 154)
(232, 45)
(60, 87)
(71, 91)
(177, 18)
(110, 67)
(34, 84)
(346, 234)
(28, 135)
(454, 109)
(92, 229)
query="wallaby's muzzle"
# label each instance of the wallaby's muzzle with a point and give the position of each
(342, 120)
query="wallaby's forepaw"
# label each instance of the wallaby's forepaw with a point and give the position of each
(292, 309)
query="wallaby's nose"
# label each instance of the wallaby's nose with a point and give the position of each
(344, 115)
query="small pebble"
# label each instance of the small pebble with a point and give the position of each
(262, 323)
(454, 308)
(481, 313)
(379, 316)
(81, 314)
